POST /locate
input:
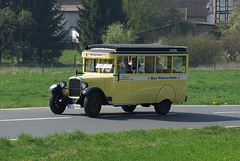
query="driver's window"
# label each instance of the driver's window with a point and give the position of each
(90, 65)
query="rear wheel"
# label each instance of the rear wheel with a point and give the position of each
(92, 104)
(57, 105)
(163, 107)
(129, 108)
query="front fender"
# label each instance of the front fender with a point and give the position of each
(55, 89)
(89, 90)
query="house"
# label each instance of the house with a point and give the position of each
(70, 12)
(195, 10)
(219, 10)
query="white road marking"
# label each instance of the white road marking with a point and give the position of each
(227, 112)
(14, 109)
(35, 119)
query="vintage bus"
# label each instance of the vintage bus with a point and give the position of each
(125, 75)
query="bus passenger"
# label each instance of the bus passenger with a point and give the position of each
(122, 65)
(132, 66)
(159, 67)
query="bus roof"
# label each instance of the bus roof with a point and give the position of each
(135, 49)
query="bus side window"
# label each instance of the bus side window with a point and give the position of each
(132, 65)
(149, 60)
(159, 64)
(141, 65)
(122, 64)
(179, 64)
(163, 64)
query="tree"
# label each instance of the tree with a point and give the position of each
(230, 37)
(25, 24)
(145, 15)
(203, 49)
(7, 33)
(94, 17)
(14, 33)
(118, 34)
(46, 36)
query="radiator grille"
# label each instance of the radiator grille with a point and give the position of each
(74, 87)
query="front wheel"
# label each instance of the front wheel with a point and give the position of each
(92, 104)
(57, 105)
(129, 108)
(163, 107)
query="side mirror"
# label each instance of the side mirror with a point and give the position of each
(78, 72)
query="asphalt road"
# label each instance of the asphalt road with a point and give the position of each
(42, 122)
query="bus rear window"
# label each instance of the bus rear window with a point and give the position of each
(179, 64)
(163, 64)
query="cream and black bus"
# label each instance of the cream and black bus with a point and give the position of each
(126, 75)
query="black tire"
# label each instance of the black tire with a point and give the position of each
(92, 104)
(129, 108)
(163, 107)
(57, 106)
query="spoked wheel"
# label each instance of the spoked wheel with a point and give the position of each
(57, 105)
(163, 107)
(92, 104)
(129, 108)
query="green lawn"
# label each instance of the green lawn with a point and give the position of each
(214, 87)
(28, 87)
(209, 143)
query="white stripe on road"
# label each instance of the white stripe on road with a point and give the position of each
(228, 112)
(35, 119)
(14, 109)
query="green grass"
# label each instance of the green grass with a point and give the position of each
(220, 87)
(68, 57)
(28, 87)
(209, 143)
(23, 89)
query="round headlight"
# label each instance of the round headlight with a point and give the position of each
(84, 85)
(63, 84)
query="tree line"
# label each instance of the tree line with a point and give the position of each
(33, 29)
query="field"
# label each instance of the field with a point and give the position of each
(209, 143)
(28, 86)
(220, 87)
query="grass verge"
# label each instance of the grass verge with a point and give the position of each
(28, 87)
(209, 143)
(220, 87)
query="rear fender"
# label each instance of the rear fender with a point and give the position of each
(167, 92)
